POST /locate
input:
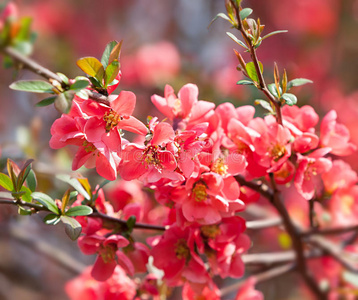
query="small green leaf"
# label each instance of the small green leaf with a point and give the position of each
(111, 72)
(81, 210)
(34, 86)
(251, 70)
(245, 82)
(244, 13)
(24, 172)
(298, 82)
(26, 196)
(272, 88)
(52, 219)
(95, 82)
(82, 94)
(23, 211)
(223, 16)
(290, 99)
(63, 101)
(273, 33)
(111, 52)
(236, 40)
(79, 85)
(31, 181)
(130, 223)
(24, 32)
(75, 184)
(266, 105)
(46, 101)
(63, 77)
(6, 182)
(91, 66)
(72, 227)
(46, 201)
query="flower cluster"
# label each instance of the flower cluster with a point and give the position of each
(190, 161)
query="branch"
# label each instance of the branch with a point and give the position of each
(296, 241)
(262, 85)
(258, 186)
(33, 66)
(329, 231)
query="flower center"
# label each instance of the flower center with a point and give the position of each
(150, 156)
(219, 166)
(277, 152)
(181, 249)
(347, 202)
(210, 231)
(199, 192)
(112, 119)
(177, 107)
(89, 147)
(108, 253)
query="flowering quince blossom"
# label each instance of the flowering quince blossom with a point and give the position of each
(247, 291)
(95, 129)
(335, 135)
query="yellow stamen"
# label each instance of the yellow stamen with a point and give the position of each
(219, 166)
(112, 119)
(181, 249)
(199, 192)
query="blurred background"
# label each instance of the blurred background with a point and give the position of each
(164, 42)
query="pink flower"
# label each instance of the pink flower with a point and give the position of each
(247, 291)
(185, 106)
(85, 287)
(336, 136)
(309, 167)
(174, 253)
(153, 162)
(108, 254)
(207, 293)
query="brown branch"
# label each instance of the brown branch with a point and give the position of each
(36, 68)
(297, 243)
(345, 258)
(266, 223)
(330, 231)
(258, 186)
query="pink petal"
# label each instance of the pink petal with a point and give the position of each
(101, 271)
(188, 95)
(124, 104)
(133, 125)
(163, 133)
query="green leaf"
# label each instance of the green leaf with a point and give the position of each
(111, 72)
(46, 101)
(24, 47)
(273, 33)
(75, 184)
(63, 77)
(46, 201)
(91, 66)
(272, 88)
(245, 82)
(236, 40)
(63, 101)
(24, 32)
(6, 182)
(26, 196)
(222, 16)
(72, 227)
(31, 181)
(298, 82)
(34, 86)
(105, 60)
(81, 210)
(95, 82)
(79, 85)
(244, 13)
(52, 219)
(82, 94)
(24, 172)
(23, 211)
(251, 70)
(266, 105)
(290, 99)
(130, 223)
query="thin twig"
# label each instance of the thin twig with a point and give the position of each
(329, 231)
(35, 67)
(252, 50)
